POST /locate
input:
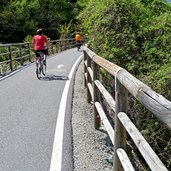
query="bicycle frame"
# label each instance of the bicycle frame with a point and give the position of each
(41, 65)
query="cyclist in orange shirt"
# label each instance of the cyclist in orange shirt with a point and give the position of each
(78, 40)
(78, 37)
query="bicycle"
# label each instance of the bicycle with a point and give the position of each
(78, 45)
(41, 65)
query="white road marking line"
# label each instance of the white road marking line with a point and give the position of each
(56, 158)
(60, 66)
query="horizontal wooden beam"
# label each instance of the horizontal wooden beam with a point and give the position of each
(147, 152)
(154, 102)
(109, 99)
(124, 160)
(105, 121)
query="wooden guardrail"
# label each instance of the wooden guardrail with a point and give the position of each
(16, 55)
(124, 83)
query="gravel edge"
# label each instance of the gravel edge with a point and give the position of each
(90, 148)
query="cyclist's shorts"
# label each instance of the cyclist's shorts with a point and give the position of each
(43, 51)
(78, 42)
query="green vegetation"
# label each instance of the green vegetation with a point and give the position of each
(23, 17)
(136, 35)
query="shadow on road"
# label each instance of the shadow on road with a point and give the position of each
(54, 77)
(80, 50)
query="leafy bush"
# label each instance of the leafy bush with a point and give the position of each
(28, 38)
(136, 35)
(3, 50)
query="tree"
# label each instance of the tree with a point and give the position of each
(23, 17)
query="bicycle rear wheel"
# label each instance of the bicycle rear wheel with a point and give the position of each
(44, 68)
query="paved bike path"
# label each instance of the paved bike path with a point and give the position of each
(28, 114)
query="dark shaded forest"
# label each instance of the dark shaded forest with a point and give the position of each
(20, 18)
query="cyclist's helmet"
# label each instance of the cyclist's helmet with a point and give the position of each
(39, 31)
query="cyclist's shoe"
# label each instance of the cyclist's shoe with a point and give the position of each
(44, 62)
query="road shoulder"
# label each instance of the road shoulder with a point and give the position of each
(90, 149)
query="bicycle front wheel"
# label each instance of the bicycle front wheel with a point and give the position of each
(38, 71)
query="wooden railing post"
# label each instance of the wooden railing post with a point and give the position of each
(52, 48)
(20, 52)
(69, 43)
(89, 99)
(60, 46)
(65, 44)
(96, 95)
(29, 52)
(56, 45)
(10, 57)
(85, 69)
(121, 98)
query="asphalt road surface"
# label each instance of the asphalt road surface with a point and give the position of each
(29, 110)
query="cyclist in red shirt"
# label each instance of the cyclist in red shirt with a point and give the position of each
(39, 41)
